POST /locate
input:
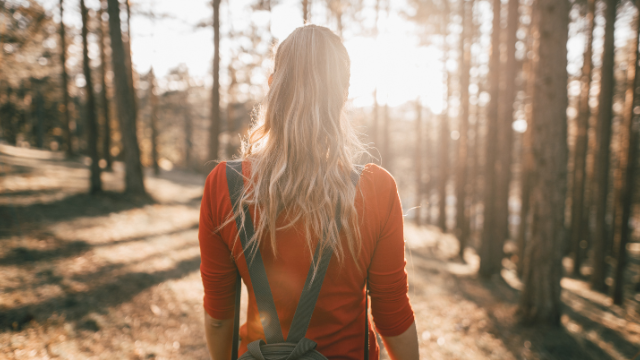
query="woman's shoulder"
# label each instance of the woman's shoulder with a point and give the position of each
(379, 177)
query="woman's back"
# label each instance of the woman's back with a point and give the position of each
(338, 320)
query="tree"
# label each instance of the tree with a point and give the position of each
(527, 141)
(125, 101)
(418, 161)
(214, 130)
(65, 85)
(491, 245)
(305, 11)
(578, 228)
(106, 136)
(540, 299)
(92, 120)
(505, 121)
(444, 124)
(625, 174)
(603, 135)
(461, 176)
(153, 103)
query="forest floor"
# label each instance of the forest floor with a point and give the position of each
(114, 277)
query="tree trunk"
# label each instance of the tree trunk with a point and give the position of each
(444, 128)
(127, 49)
(527, 140)
(153, 102)
(214, 130)
(95, 184)
(418, 162)
(491, 245)
(65, 85)
(374, 126)
(603, 133)
(578, 225)
(305, 11)
(625, 174)
(387, 160)
(106, 137)
(134, 182)
(463, 124)
(188, 144)
(540, 299)
(505, 129)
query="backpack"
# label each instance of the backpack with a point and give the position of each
(296, 346)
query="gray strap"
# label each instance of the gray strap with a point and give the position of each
(257, 272)
(310, 291)
(258, 275)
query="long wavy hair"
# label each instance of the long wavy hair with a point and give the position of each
(302, 148)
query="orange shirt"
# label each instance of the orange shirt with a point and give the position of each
(337, 325)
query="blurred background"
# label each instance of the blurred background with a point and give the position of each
(510, 127)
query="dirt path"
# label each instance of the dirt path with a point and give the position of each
(112, 277)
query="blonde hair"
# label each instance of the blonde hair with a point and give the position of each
(302, 148)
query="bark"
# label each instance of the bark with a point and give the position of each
(305, 11)
(463, 141)
(134, 182)
(153, 102)
(387, 160)
(127, 48)
(603, 133)
(95, 184)
(214, 130)
(106, 136)
(418, 163)
(491, 245)
(505, 130)
(444, 129)
(625, 174)
(65, 86)
(540, 299)
(188, 144)
(578, 225)
(527, 154)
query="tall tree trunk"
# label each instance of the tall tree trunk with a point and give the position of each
(153, 102)
(418, 162)
(491, 245)
(188, 144)
(127, 48)
(65, 85)
(134, 182)
(444, 127)
(387, 160)
(603, 133)
(106, 138)
(214, 130)
(375, 125)
(505, 127)
(95, 184)
(540, 299)
(578, 226)
(625, 174)
(461, 176)
(527, 141)
(305, 11)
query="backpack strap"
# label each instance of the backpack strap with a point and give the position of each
(258, 275)
(257, 272)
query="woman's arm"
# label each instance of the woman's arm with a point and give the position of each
(219, 334)
(403, 346)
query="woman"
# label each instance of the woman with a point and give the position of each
(297, 164)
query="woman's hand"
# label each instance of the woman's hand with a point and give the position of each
(219, 334)
(403, 346)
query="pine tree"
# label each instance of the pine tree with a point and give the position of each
(540, 299)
